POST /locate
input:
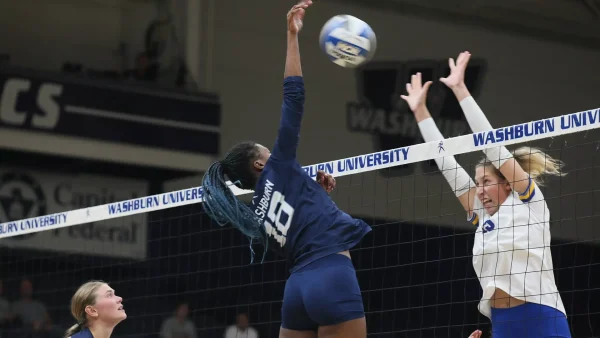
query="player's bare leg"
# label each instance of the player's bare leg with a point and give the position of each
(356, 328)
(286, 333)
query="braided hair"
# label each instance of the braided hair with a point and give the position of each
(221, 204)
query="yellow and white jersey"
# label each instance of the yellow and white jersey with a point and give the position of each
(512, 250)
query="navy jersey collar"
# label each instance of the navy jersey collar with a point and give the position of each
(85, 333)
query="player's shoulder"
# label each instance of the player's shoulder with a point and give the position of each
(277, 162)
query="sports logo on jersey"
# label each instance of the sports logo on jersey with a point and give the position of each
(20, 197)
(488, 226)
(381, 112)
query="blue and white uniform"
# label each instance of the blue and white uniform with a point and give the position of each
(307, 228)
(512, 252)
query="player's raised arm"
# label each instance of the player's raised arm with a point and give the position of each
(293, 88)
(457, 177)
(500, 157)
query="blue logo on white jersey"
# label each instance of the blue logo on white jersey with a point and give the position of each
(488, 226)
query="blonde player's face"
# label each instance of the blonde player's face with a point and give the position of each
(109, 306)
(492, 190)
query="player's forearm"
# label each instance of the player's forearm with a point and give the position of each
(474, 115)
(422, 113)
(479, 122)
(293, 102)
(461, 92)
(455, 175)
(292, 61)
(292, 110)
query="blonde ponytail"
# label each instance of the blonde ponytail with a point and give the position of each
(73, 330)
(534, 162)
(537, 163)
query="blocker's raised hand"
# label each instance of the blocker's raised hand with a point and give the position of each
(457, 70)
(417, 93)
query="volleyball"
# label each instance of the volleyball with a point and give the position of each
(348, 41)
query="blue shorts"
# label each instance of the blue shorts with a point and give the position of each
(325, 292)
(529, 320)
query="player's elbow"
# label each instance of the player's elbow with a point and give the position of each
(294, 99)
(293, 90)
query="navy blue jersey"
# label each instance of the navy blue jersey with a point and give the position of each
(301, 219)
(85, 333)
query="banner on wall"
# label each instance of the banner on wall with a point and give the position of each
(381, 112)
(100, 118)
(26, 194)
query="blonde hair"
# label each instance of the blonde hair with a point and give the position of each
(83, 297)
(534, 162)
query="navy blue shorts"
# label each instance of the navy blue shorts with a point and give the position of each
(529, 320)
(325, 292)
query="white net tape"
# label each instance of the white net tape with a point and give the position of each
(524, 132)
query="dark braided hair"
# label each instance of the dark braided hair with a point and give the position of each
(221, 204)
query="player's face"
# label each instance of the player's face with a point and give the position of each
(109, 306)
(492, 190)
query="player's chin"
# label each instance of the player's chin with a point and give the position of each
(121, 314)
(491, 210)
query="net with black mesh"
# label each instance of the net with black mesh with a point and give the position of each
(415, 268)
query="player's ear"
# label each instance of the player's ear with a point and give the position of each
(91, 311)
(259, 164)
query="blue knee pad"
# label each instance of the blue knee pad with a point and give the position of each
(325, 292)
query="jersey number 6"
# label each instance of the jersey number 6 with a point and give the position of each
(277, 207)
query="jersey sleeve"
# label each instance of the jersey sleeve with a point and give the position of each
(292, 110)
(533, 197)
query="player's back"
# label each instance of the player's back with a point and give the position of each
(303, 222)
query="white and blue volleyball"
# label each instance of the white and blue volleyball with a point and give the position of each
(348, 41)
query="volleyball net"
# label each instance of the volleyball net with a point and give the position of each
(415, 268)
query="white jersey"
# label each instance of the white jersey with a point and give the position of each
(512, 250)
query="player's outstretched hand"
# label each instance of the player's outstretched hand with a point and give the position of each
(295, 17)
(326, 181)
(417, 93)
(457, 70)
(475, 334)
